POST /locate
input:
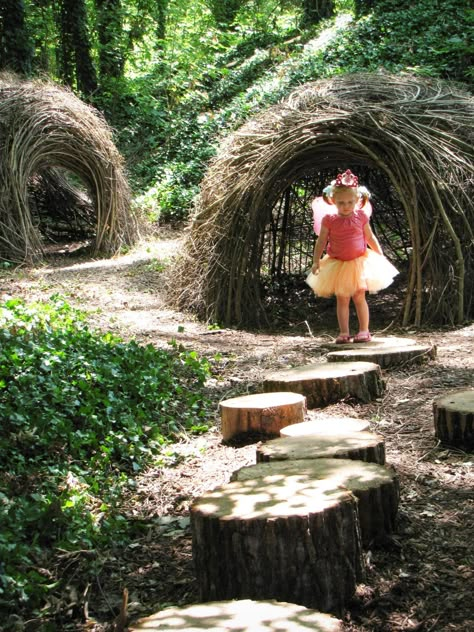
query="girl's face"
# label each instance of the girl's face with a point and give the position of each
(345, 201)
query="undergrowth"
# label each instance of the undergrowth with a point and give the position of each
(81, 413)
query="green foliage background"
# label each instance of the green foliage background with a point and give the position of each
(175, 76)
(82, 412)
(180, 123)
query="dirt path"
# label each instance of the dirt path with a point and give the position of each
(422, 579)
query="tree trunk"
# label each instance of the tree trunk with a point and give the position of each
(264, 413)
(75, 60)
(454, 419)
(363, 7)
(376, 487)
(316, 10)
(85, 71)
(225, 11)
(361, 446)
(294, 540)
(111, 43)
(161, 11)
(16, 51)
(328, 383)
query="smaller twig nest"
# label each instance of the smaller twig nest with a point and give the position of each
(44, 131)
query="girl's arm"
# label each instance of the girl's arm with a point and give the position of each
(319, 247)
(372, 239)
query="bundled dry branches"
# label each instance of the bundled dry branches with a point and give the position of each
(417, 132)
(44, 128)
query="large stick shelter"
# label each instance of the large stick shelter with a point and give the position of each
(410, 139)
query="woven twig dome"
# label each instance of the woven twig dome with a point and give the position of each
(46, 132)
(416, 133)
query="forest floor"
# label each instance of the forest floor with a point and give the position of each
(421, 579)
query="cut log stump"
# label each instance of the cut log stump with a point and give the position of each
(265, 413)
(361, 446)
(386, 357)
(377, 341)
(325, 426)
(375, 486)
(239, 615)
(454, 419)
(327, 383)
(296, 539)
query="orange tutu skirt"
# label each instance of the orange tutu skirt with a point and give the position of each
(371, 272)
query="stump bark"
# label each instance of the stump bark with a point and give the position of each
(361, 446)
(375, 486)
(324, 384)
(454, 419)
(245, 614)
(386, 357)
(326, 426)
(265, 413)
(296, 540)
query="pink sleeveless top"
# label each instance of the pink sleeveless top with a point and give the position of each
(346, 239)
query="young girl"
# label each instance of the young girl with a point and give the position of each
(348, 269)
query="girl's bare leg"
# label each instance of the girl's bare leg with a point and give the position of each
(362, 310)
(343, 313)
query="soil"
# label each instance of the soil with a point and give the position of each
(422, 578)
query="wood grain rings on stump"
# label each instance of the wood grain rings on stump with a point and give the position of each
(325, 426)
(296, 540)
(377, 341)
(266, 413)
(386, 357)
(361, 446)
(327, 383)
(239, 615)
(454, 419)
(375, 486)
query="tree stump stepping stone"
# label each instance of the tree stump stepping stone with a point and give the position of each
(239, 615)
(325, 426)
(385, 356)
(377, 341)
(454, 419)
(265, 413)
(327, 383)
(295, 540)
(361, 446)
(375, 486)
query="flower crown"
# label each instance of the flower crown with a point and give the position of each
(347, 180)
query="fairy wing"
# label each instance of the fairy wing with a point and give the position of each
(322, 208)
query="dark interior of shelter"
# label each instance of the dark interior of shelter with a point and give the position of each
(287, 251)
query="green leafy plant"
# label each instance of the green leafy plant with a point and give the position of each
(82, 412)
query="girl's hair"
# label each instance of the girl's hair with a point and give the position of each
(345, 181)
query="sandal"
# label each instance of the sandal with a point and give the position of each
(343, 339)
(363, 336)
